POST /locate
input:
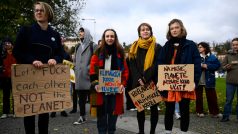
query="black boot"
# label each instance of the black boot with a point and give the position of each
(63, 113)
(53, 114)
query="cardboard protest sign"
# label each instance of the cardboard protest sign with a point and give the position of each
(42, 90)
(176, 77)
(109, 80)
(145, 96)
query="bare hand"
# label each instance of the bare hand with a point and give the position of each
(121, 89)
(204, 66)
(228, 66)
(52, 62)
(141, 82)
(37, 64)
(157, 85)
(96, 88)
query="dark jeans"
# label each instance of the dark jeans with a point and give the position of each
(129, 102)
(7, 88)
(83, 95)
(43, 123)
(75, 97)
(107, 121)
(211, 100)
(184, 112)
(231, 90)
(154, 116)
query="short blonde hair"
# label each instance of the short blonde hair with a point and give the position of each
(183, 32)
(47, 10)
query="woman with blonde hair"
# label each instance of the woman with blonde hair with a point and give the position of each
(39, 44)
(179, 50)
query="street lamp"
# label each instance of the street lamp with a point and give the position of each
(94, 26)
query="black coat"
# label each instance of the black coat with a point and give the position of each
(33, 43)
(136, 67)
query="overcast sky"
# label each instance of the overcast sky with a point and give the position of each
(205, 20)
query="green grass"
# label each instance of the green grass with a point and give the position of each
(221, 95)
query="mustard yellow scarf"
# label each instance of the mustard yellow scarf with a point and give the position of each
(145, 44)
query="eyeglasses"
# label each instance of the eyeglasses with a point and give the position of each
(39, 10)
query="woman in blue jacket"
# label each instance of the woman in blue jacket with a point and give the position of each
(209, 65)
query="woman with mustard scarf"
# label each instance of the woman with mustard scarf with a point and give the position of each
(142, 57)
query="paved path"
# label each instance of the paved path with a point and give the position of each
(126, 124)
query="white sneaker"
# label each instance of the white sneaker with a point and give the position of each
(81, 120)
(200, 115)
(158, 108)
(177, 116)
(3, 116)
(168, 132)
(133, 109)
(217, 115)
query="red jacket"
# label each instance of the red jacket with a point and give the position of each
(7, 63)
(97, 63)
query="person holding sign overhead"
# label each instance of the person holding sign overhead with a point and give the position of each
(179, 50)
(109, 56)
(39, 44)
(142, 60)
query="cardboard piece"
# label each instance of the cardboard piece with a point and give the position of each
(37, 91)
(176, 77)
(109, 80)
(145, 96)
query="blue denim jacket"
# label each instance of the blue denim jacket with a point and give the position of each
(213, 64)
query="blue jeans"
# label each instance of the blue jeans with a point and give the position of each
(176, 107)
(107, 122)
(230, 92)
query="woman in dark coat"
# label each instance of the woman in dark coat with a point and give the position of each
(39, 44)
(142, 61)
(179, 50)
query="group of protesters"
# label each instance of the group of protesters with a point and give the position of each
(39, 44)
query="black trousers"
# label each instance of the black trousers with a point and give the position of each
(83, 95)
(75, 97)
(129, 102)
(7, 88)
(43, 124)
(154, 116)
(184, 112)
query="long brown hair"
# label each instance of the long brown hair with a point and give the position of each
(116, 44)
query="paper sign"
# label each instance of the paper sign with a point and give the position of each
(145, 96)
(109, 80)
(42, 90)
(177, 77)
